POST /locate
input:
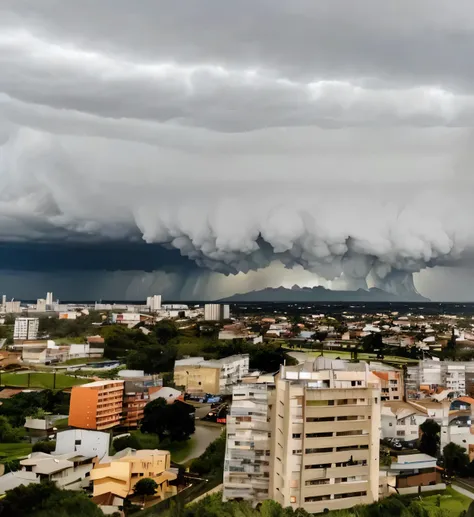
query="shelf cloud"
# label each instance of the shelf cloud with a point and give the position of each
(239, 137)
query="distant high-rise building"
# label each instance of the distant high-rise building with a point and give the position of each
(26, 329)
(216, 312)
(310, 439)
(41, 305)
(154, 302)
(49, 299)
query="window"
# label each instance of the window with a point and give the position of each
(318, 435)
(317, 482)
(318, 450)
(320, 402)
(321, 419)
(297, 451)
(296, 435)
(77, 442)
(318, 466)
(292, 499)
(314, 499)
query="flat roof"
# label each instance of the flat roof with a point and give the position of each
(97, 384)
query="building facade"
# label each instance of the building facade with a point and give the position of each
(324, 420)
(26, 329)
(117, 475)
(216, 312)
(153, 303)
(199, 376)
(96, 405)
(454, 375)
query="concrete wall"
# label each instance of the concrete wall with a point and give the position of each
(84, 442)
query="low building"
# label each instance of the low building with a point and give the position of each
(15, 479)
(116, 476)
(96, 405)
(402, 420)
(69, 471)
(39, 428)
(83, 442)
(413, 473)
(199, 376)
(43, 352)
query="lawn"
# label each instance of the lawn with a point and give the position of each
(179, 450)
(12, 451)
(61, 424)
(40, 380)
(450, 500)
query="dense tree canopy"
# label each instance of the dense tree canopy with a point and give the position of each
(429, 442)
(17, 408)
(455, 460)
(211, 463)
(173, 421)
(46, 500)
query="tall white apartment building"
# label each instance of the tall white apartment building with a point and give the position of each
(323, 429)
(26, 329)
(154, 302)
(216, 312)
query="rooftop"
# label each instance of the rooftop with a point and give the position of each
(98, 384)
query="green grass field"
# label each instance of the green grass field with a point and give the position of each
(180, 450)
(450, 500)
(13, 451)
(40, 380)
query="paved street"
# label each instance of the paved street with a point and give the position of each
(203, 436)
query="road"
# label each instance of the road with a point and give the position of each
(202, 437)
(462, 490)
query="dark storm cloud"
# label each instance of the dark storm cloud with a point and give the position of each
(322, 134)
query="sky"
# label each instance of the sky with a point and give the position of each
(216, 147)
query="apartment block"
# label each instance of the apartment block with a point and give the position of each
(323, 427)
(453, 375)
(247, 457)
(96, 405)
(216, 376)
(391, 381)
(216, 312)
(26, 329)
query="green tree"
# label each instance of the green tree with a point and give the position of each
(145, 487)
(455, 460)
(165, 331)
(173, 421)
(46, 499)
(9, 434)
(211, 461)
(119, 444)
(429, 442)
(44, 446)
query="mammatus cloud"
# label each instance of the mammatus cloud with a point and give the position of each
(321, 144)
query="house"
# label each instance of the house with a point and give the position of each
(114, 477)
(410, 473)
(15, 479)
(69, 471)
(402, 420)
(83, 442)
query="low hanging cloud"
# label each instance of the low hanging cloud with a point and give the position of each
(318, 144)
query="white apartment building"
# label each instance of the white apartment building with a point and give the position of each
(26, 329)
(324, 420)
(11, 307)
(49, 299)
(215, 376)
(453, 375)
(154, 302)
(216, 312)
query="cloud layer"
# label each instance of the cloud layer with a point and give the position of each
(304, 133)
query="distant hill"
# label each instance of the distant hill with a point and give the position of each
(320, 294)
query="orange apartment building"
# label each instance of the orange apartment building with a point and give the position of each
(97, 405)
